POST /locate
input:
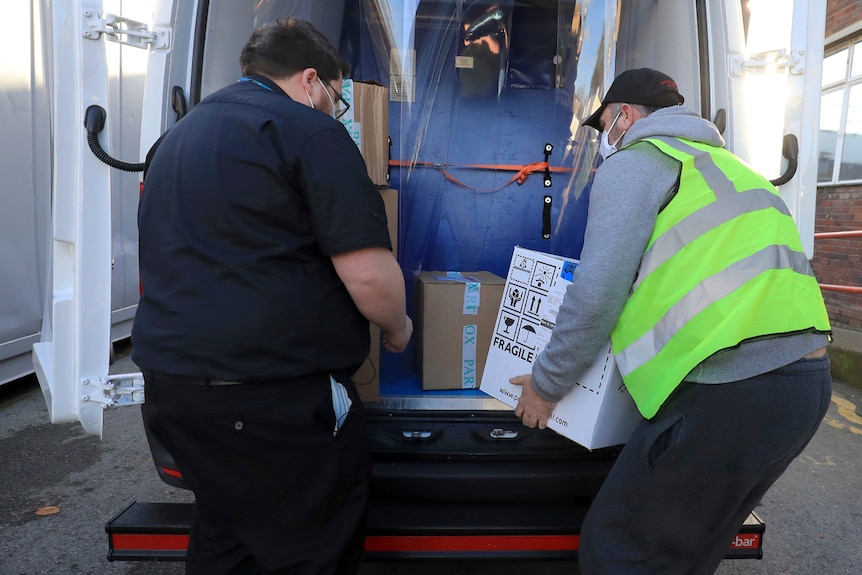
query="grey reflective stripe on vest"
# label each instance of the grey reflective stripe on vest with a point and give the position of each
(709, 217)
(710, 290)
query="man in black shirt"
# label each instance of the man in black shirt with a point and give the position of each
(264, 253)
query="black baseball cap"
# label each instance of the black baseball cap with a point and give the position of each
(643, 86)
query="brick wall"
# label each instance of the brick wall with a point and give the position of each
(839, 208)
(842, 13)
(839, 261)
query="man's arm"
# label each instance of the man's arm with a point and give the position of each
(375, 282)
(627, 193)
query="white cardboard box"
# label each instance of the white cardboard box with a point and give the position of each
(598, 412)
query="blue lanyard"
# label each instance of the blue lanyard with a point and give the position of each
(244, 79)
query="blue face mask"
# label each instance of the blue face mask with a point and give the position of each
(605, 147)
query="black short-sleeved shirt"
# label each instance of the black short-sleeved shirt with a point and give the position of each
(244, 202)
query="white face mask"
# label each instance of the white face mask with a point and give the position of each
(331, 102)
(605, 147)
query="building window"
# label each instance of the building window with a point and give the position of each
(840, 140)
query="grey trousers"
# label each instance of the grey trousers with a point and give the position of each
(687, 479)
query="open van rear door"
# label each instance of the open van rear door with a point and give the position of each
(71, 360)
(780, 73)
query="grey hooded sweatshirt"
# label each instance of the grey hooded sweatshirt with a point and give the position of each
(629, 189)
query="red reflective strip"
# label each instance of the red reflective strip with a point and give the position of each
(419, 543)
(149, 542)
(747, 541)
(416, 543)
(172, 472)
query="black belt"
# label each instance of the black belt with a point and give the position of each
(196, 381)
(180, 380)
(214, 382)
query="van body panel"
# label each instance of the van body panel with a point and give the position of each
(477, 90)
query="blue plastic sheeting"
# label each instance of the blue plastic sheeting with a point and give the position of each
(477, 89)
(502, 111)
(489, 84)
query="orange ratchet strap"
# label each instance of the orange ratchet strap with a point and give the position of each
(521, 172)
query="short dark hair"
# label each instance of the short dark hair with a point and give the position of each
(281, 49)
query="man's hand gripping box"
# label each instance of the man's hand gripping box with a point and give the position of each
(598, 412)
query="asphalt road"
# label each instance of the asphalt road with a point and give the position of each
(813, 514)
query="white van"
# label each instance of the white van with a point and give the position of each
(474, 88)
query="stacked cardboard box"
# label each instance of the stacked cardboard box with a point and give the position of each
(367, 121)
(454, 318)
(367, 379)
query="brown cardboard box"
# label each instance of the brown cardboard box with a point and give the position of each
(367, 121)
(390, 204)
(367, 378)
(454, 320)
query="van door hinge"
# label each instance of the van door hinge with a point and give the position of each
(125, 31)
(114, 390)
(769, 62)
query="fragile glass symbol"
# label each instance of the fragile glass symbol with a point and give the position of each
(508, 321)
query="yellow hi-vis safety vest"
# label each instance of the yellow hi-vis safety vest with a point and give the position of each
(724, 264)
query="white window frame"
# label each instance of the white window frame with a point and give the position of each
(843, 86)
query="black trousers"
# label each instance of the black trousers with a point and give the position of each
(687, 479)
(276, 491)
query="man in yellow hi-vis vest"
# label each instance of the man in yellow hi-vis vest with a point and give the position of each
(694, 268)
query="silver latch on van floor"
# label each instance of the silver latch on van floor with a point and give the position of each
(498, 433)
